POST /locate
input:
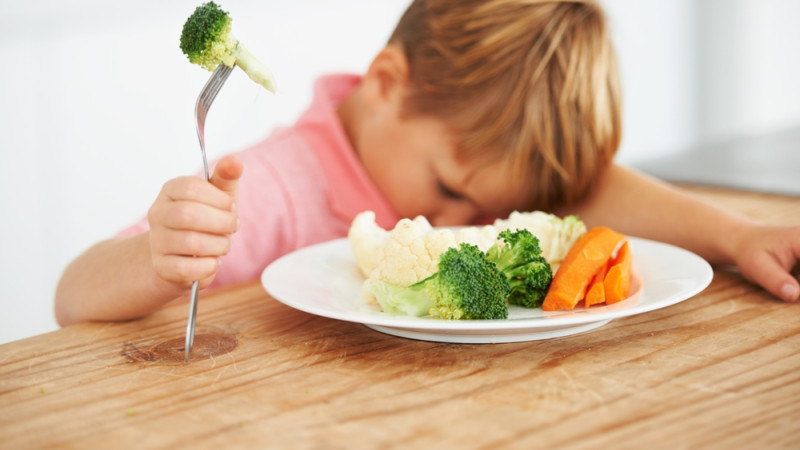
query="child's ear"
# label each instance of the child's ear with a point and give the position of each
(387, 76)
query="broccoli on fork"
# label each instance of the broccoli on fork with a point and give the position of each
(207, 41)
(466, 286)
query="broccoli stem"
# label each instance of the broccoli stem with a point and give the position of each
(410, 301)
(254, 69)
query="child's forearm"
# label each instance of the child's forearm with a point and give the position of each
(639, 205)
(113, 280)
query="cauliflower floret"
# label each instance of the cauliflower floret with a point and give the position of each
(366, 237)
(403, 259)
(411, 252)
(483, 237)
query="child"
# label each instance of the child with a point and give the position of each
(473, 109)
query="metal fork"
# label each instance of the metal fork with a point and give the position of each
(204, 101)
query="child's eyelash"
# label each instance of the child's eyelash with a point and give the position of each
(449, 193)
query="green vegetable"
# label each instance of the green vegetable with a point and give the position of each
(207, 41)
(466, 286)
(520, 259)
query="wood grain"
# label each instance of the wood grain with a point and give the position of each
(720, 370)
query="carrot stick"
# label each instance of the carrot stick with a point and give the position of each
(596, 293)
(618, 279)
(587, 255)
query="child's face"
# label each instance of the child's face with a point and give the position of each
(412, 162)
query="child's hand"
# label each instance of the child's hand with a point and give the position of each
(191, 223)
(770, 257)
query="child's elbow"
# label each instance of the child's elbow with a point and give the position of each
(65, 305)
(63, 312)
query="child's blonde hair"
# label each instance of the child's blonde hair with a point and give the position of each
(532, 81)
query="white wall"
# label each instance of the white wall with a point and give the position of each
(655, 42)
(96, 103)
(749, 61)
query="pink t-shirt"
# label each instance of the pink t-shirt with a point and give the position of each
(302, 185)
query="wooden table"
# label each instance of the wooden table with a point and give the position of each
(719, 370)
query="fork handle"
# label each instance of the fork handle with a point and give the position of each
(190, 325)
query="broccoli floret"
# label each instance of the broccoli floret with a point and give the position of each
(528, 272)
(207, 41)
(466, 286)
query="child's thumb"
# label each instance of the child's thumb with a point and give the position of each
(227, 173)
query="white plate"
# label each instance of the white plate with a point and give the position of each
(323, 279)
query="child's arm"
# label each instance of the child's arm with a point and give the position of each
(642, 206)
(191, 222)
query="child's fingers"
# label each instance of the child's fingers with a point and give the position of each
(191, 216)
(184, 270)
(189, 244)
(773, 270)
(779, 282)
(182, 257)
(195, 189)
(226, 175)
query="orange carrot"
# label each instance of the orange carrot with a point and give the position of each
(618, 279)
(596, 293)
(587, 255)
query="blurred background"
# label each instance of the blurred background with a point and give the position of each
(96, 103)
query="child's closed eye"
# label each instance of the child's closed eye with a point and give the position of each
(447, 192)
